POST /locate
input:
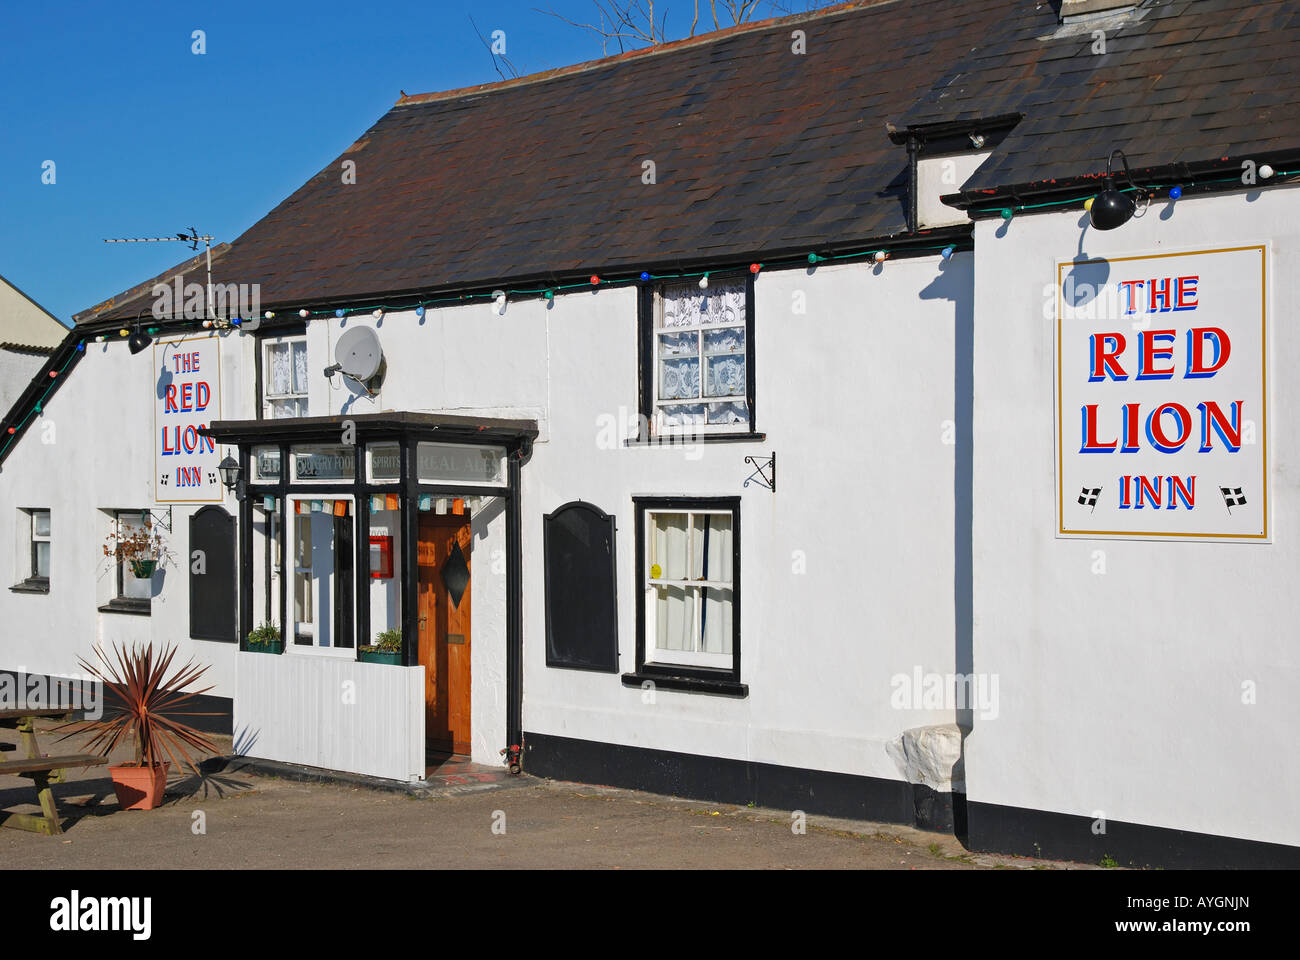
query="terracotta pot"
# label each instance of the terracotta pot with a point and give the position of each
(139, 787)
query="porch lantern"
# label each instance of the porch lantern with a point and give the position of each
(229, 470)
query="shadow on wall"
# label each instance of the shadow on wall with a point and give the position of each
(491, 509)
(951, 284)
(243, 741)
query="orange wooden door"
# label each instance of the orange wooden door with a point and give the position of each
(443, 547)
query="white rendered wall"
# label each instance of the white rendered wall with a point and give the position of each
(1122, 692)
(856, 395)
(100, 456)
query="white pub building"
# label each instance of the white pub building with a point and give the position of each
(879, 412)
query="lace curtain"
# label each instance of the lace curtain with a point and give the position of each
(702, 355)
(286, 377)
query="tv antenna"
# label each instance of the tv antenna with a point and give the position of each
(192, 238)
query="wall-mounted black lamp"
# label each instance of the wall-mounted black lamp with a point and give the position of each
(1110, 208)
(138, 340)
(229, 470)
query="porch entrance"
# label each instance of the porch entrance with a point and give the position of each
(443, 556)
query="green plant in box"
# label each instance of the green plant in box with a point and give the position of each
(387, 647)
(265, 637)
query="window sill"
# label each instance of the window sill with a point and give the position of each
(685, 439)
(730, 688)
(32, 585)
(138, 608)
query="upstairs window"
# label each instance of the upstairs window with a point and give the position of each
(284, 378)
(697, 364)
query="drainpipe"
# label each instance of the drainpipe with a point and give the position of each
(913, 149)
(514, 604)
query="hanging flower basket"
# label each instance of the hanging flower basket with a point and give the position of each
(143, 549)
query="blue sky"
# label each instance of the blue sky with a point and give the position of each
(148, 138)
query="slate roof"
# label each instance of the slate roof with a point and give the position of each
(1180, 81)
(757, 149)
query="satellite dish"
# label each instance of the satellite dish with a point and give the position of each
(358, 353)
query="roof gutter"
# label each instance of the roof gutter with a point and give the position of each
(900, 245)
(1196, 177)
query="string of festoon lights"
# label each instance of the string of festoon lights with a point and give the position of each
(501, 297)
(134, 333)
(1172, 191)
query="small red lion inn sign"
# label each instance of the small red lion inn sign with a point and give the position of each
(187, 397)
(1161, 395)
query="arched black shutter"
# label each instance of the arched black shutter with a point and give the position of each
(214, 609)
(581, 612)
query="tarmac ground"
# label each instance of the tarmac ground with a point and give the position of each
(244, 816)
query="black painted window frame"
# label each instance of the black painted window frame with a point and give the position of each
(647, 311)
(119, 602)
(684, 677)
(360, 488)
(33, 582)
(262, 335)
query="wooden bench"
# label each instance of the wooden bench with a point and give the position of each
(42, 771)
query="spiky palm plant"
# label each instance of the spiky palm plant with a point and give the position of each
(146, 708)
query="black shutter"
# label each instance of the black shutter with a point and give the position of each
(214, 610)
(581, 613)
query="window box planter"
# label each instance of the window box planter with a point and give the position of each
(380, 656)
(265, 639)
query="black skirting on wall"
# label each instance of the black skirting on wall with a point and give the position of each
(1062, 836)
(982, 827)
(737, 781)
(52, 689)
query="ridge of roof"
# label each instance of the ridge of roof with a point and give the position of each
(653, 50)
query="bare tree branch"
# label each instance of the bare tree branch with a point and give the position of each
(509, 66)
(634, 21)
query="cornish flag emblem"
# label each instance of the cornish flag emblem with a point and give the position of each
(1088, 498)
(1233, 497)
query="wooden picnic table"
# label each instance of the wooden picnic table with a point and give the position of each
(42, 771)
